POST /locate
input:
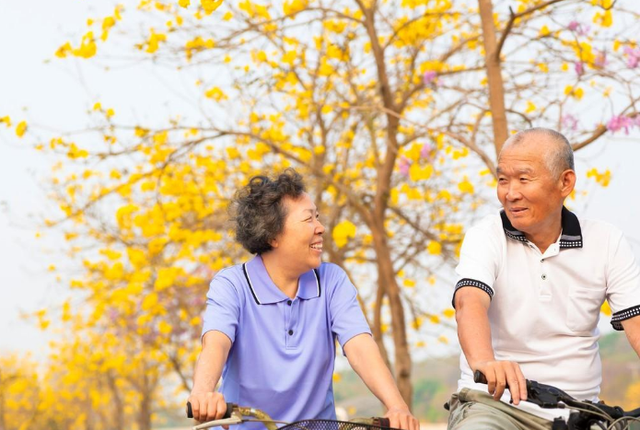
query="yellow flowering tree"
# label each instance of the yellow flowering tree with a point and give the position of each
(393, 111)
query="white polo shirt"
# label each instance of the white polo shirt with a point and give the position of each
(545, 308)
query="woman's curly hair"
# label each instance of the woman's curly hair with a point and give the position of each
(257, 210)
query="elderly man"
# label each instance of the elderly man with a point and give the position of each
(531, 282)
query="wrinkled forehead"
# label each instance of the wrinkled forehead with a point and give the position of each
(522, 158)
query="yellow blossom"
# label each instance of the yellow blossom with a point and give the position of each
(21, 128)
(530, 107)
(606, 309)
(434, 248)
(343, 232)
(216, 93)
(210, 5)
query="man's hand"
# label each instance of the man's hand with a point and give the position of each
(501, 374)
(207, 406)
(401, 418)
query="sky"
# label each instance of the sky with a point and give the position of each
(55, 95)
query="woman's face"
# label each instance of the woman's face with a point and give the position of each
(300, 243)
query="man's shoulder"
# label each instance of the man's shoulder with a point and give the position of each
(595, 230)
(597, 225)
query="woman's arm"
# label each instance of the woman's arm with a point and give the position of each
(365, 359)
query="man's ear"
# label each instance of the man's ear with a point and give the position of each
(274, 243)
(567, 182)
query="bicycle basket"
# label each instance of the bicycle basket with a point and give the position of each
(330, 425)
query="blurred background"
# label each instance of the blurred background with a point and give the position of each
(126, 127)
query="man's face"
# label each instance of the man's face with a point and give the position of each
(530, 194)
(300, 243)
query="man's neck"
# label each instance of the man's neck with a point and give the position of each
(546, 237)
(285, 280)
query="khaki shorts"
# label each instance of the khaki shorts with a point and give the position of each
(477, 410)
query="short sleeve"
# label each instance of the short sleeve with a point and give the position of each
(480, 256)
(223, 307)
(347, 319)
(623, 281)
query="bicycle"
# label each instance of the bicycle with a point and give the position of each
(236, 415)
(583, 415)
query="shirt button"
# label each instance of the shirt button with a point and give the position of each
(290, 332)
(289, 302)
(544, 277)
(542, 261)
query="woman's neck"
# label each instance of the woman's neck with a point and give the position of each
(285, 279)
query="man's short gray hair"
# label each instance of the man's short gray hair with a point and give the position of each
(559, 159)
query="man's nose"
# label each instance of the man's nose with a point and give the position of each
(513, 191)
(319, 228)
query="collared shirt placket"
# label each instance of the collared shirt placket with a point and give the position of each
(291, 309)
(545, 292)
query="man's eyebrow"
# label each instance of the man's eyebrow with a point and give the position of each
(527, 170)
(312, 211)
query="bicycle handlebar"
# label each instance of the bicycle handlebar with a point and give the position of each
(549, 397)
(235, 414)
(227, 414)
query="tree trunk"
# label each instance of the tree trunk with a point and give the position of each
(387, 280)
(144, 414)
(118, 406)
(377, 322)
(494, 75)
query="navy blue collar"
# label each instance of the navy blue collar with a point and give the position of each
(571, 233)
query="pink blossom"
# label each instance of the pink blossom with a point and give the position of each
(425, 151)
(619, 122)
(575, 26)
(601, 59)
(569, 121)
(403, 166)
(429, 77)
(579, 68)
(633, 57)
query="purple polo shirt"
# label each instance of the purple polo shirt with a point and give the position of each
(282, 354)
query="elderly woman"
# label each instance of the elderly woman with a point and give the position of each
(271, 323)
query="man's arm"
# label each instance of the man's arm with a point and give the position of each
(364, 357)
(632, 330)
(474, 333)
(207, 404)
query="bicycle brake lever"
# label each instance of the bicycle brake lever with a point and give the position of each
(545, 396)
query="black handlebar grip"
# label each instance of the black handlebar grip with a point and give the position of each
(383, 422)
(479, 378)
(227, 414)
(230, 408)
